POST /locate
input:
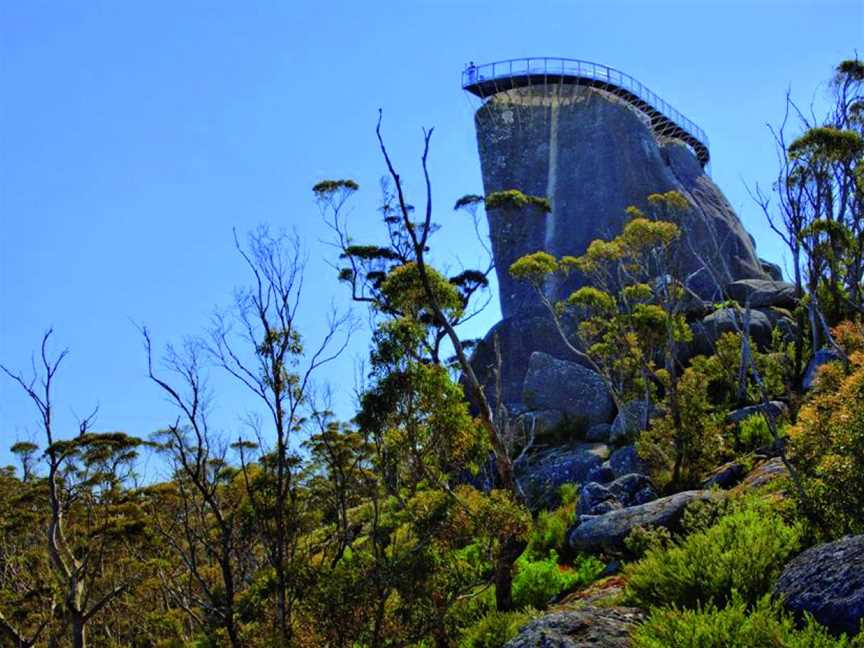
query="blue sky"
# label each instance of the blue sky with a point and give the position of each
(134, 136)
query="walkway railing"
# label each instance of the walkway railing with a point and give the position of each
(482, 80)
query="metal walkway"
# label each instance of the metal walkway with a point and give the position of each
(491, 78)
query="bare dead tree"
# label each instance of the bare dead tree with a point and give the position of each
(83, 487)
(259, 344)
(205, 528)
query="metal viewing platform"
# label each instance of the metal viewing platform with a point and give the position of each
(491, 78)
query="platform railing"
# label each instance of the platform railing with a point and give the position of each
(576, 68)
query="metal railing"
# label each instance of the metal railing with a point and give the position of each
(575, 69)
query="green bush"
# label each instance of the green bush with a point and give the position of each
(538, 581)
(753, 433)
(549, 532)
(742, 552)
(496, 628)
(733, 626)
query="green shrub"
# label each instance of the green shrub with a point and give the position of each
(753, 433)
(538, 581)
(549, 531)
(733, 626)
(742, 552)
(495, 629)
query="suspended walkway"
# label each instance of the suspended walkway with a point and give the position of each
(501, 76)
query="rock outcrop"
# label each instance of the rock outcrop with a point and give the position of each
(607, 532)
(578, 393)
(828, 582)
(592, 156)
(542, 473)
(587, 627)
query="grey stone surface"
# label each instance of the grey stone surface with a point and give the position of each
(828, 582)
(518, 337)
(629, 490)
(630, 421)
(543, 422)
(542, 473)
(587, 627)
(592, 156)
(822, 357)
(772, 270)
(578, 392)
(762, 293)
(708, 331)
(775, 409)
(607, 532)
(725, 476)
(598, 432)
(624, 461)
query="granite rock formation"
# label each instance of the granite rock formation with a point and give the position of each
(592, 155)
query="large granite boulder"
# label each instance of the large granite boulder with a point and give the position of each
(587, 627)
(774, 409)
(631, 419)
(607, 532)
(518, 337)
(726, 320)
(577, 392)
(772, 269)
(542, 473)
(592, 156)
(762, 293)
(828, 582)
(628, 490)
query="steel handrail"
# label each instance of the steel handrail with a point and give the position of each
(579, 69)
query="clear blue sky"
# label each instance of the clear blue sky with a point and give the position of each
(135, 135)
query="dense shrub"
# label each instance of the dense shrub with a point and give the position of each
(753, 433)
(495, 629)
(828, 443)
(538, 581)
(764, 625)
(741, 552)
(549, 531)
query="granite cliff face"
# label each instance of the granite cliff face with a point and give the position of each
(592, 155)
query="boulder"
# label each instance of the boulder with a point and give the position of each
(772, 269)
(544, 422)
(624, 461)
(630, 421)
(822, 357)
(762, 293)
(762, 475)
(607, 532)
(518, 337)
(828, 582)
(725, 476)
(577, 392)
(707, 331)
(598, 432)
(775, 409)
(629, 490)
(585, 627)
(542, 473)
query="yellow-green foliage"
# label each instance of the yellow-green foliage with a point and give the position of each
(828, 443)
(534, 268)
(536, 582)
(736, 625)
(744, 552)
(404, 291)
(698, 443)
(496, 628)
(515, 199)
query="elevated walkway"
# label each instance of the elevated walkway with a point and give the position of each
(491, 78)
